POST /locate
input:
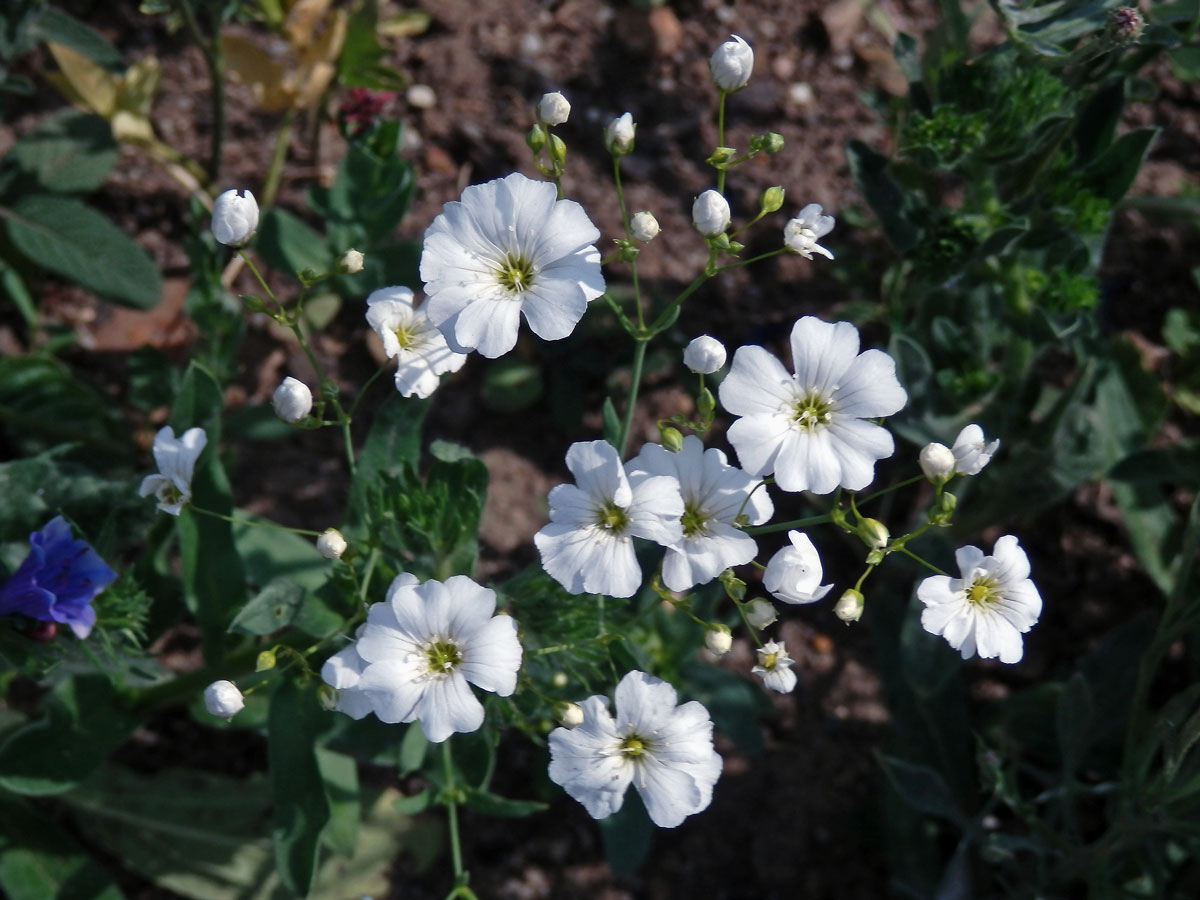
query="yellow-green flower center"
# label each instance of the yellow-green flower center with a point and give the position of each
(515, 273)
(983, 592)
(768, 660)
(633, 746)
(170, 494)
(811, 410)
(694, 519)
(444, 656)
(612, 518)
(406, 337)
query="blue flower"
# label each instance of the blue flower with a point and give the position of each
(58, 580)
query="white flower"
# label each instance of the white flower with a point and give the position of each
(718, 640)
(971, 451)
(618, 135)
(937, 461)
(760, 613)
(235, 217)
(731, 64)
(176, 458)
(643, 226)
(850, 605)
(704, 355)
(418, 651)
(588, 545)
(331, 544)
(775, 667)
(509, 248)
(988, 609)
(553, 108)
(714, 495)
(292, 400)
(665, 750)
(351, 262)
(793, 575)
(710, 213)
(800, 235)
(570, 715)
(223, 699)
(421, 351)
(810, 428)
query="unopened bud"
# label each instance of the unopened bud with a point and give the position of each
(618, 135)
(553, 108)
(771, 199)
(558, 148)
(643, 226)
(943, 510)
(721, 156)
(937, 461)
(731, 64)
(873, 533)
(671, 438)
(704, 355)
(351, 262)
(235, 217)
(570, 715)
(292, 400)
(223, 699)
(768, 143)
(718, 639)
(559, 679)
(710, 213)
(536, 138)
(327, 696)
(706, 402)
(265, 661)
(761, 613)
(849, 607)
(331, 544)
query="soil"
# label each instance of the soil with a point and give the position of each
(795, 820)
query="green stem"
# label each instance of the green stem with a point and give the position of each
(890, 488)
(639, 358)
(922, 561)
(753, 259)
(660, 322)
(787, 526)
(252, 523)
(721, 139)
(362, 392)
(214, 60)
(278, 158)
(450, 800)
(637, 293)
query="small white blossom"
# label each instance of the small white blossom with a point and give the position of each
(331, 544)
(553, 108)
(588, 545)
(618, 135)
(714, 495)
(989, 607)
(718, 640)
(643, 226)
(971, 451)
(509, 248)
(235, 217)
(292, 400)
(775, 667)
(663, 749)
(710, 213)
(812, 429)
(351, 262)
(176, 459)
(731, 64)
(761, 613)
(849, 607)
(793, 575)
(419, 652)
(800, 235)
(570, 715)
(704, 355)
(223, 699)
(937, 461)
(420, 350)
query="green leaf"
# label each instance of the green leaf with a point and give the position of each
(923, 789)
(43, 405)
(1073, 722)
(39, 860)
(501, 807)
(269, 554)
(70, 153)
(340, 774)
(271, 609)
(301, 806)
(394, 439)
(612, 422)
(83, 723)
(413, 748)
(628, 835)
(512, 384)
(76, 242)
(361, 63)
(289, 245)
(1112, 173)
(1097, 120)
(52, 24)
(869, 169)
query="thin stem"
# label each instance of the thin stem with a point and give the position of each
(665, 316)
(637, 292)
(639, 358)
(894, 487)
(252, 523)
(210, 49)
(450, 800)
(753, 259)
(362, 392)
(923, 562)
(721, 139)
(786, 526)
(278, 158)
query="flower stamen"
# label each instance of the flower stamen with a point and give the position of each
(811, 411)
(515, 273)
(443, 656)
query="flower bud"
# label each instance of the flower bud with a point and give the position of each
(731, 64)
(706, 402)
(351, 262)
(331, 544)
(873, 533)
(570, 715)
(292, 400)
(718, 639)
(559, 679)
(771, 142)
(553, 108)
(761, 613)
(223, 699)
(710, 213)
(943, 510)
(704, 355)
(643, 226)
(671, 438)
(558, 148)
(536, 138)
(849, 607)
(937, 461)
(771, 200)
(327, 696)
(235, 217)
(265, 661)
(618, 135)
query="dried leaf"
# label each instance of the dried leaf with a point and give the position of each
(91, 84)
(248, 63)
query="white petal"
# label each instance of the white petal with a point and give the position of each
(488, 326)
(757, 385)
(822, 352)
(492, 656)
(448, 707)
(597, 468)
(589, 560)
(869, 389)
(757, 440)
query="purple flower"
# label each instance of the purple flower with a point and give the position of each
(58, 580)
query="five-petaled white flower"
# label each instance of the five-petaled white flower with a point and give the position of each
(715, 494)
(809, 429)
(988, 609)
(417, 652)
(793, 574)
(588, 545)
(800, 235)
(509, 248)
(176, 458)
(775, 667)
(665, 750)
(971, 451)
(420, 349)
